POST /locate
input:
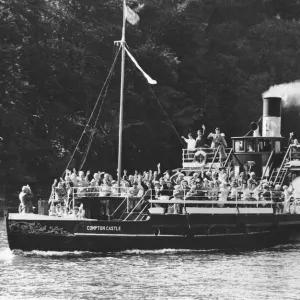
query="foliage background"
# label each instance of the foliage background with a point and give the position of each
(213, 59)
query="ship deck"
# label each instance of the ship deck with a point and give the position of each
(36, 217)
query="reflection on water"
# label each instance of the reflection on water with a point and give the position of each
(163, 274)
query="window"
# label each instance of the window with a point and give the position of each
(250, 146)
(239, 146)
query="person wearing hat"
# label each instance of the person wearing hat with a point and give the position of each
(218, 140)
(252, 179)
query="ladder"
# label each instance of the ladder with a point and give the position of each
(278, 175)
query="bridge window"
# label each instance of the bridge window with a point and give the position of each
(250, 146)
(239, 146)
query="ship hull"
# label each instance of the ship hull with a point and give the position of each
(56, 234)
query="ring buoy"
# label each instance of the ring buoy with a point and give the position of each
(200, 157)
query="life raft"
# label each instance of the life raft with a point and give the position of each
(200, 157)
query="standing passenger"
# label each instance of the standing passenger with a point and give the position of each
(218, 140)
(200, 140)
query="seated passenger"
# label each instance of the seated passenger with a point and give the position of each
(287, 193)
(246, 196)
(234, 193)
(208, 175)
(157, 189)
(224, 192)
(125, 186)
(193, 179)
(114, 188)
(252, 179)
(105, 189)
(177, 195)
(83, 180)
(255, 191)
(107, 180)
(213, 192)
(205, 184)
(222, 175)
(73, 178)
(177, 178)
(278, 198)
(185, 187)
(196, 192)
(266, 194)
(167, 190)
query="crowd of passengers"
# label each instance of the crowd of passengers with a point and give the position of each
(218, 185)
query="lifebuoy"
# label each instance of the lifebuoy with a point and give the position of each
(200, 157)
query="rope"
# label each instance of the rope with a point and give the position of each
(166, 114)
(95, 125)
(99, 96)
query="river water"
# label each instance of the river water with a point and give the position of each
(167, 274)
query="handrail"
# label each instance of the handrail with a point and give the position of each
(142, 198)
(267, 165)
(213, 161)
(228, 155)
(125, 199)
(141, 212)
(87, 191)
(242, 202)
(283, 163)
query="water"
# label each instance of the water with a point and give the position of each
(167, 274)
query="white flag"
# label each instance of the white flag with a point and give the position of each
(149, 79)
(131, 16)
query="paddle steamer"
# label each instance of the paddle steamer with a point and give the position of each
(120, 222)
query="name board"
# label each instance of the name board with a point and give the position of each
(103, 228)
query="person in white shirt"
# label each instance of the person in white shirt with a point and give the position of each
(224, 192)
(191, 142)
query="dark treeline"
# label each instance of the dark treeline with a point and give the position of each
(212, 60)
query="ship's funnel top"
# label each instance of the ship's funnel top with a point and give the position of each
(272, 107)
(272, 117)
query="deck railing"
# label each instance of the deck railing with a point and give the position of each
(210, 155)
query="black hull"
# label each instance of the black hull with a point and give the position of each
(179, 232)
(101, 243)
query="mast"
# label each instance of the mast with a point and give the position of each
(121, 96)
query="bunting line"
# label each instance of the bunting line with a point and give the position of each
(149, 79)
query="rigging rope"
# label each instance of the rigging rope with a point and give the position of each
(95, 125)
(99, 96)
(165, 114)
